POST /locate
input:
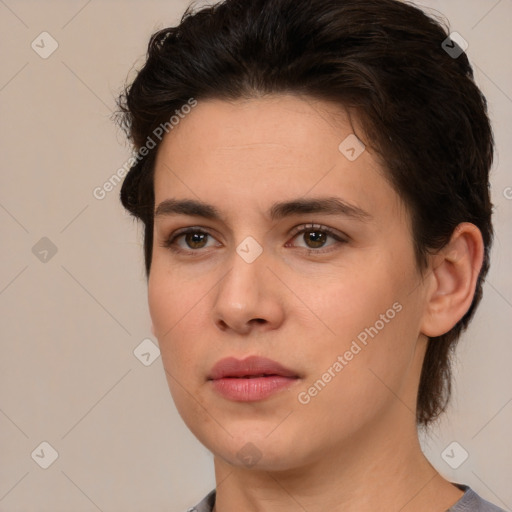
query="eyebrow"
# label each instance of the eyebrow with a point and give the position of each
(324, 205)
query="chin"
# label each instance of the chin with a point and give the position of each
(247, 449)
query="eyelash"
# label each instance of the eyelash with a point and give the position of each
(170, 243)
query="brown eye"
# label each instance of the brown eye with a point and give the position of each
(196, 240)
(314, 239)
(189, 240)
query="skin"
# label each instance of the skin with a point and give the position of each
(354, 446)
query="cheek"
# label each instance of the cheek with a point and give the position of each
(370, 382)
(350, 299)
(172, 315)
(176, 308)
(170, 296)
(168, 311)
(161, 302)
(371, 322)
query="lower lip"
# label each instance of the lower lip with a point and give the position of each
(251, 390)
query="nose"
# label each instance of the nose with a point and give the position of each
(249, 297)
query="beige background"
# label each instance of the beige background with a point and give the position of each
(70, 324)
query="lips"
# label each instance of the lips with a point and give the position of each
(251, 379)
(250, 367)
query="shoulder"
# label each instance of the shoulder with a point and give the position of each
(469, 502)
(206, 504)
(472, 502)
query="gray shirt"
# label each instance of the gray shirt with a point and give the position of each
(470, 501)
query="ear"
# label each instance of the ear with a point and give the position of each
(454, 273)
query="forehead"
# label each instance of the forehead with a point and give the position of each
(266, 123)
(262, 149)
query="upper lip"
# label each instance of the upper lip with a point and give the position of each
(250, 366)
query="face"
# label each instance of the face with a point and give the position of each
(296, 252)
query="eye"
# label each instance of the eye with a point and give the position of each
(316, 237)
(192, 239)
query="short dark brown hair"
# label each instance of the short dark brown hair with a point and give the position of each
(418, 104)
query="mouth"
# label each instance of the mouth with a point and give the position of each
(250, 367)
(252, 376)
(251, 379)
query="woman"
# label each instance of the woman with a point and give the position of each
(313, 180)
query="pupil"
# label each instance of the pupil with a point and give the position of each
(196, 240)
(313, 239)
(317, 239)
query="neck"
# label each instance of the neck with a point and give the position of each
(382, 470)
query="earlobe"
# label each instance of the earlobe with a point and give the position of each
(455, 270)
